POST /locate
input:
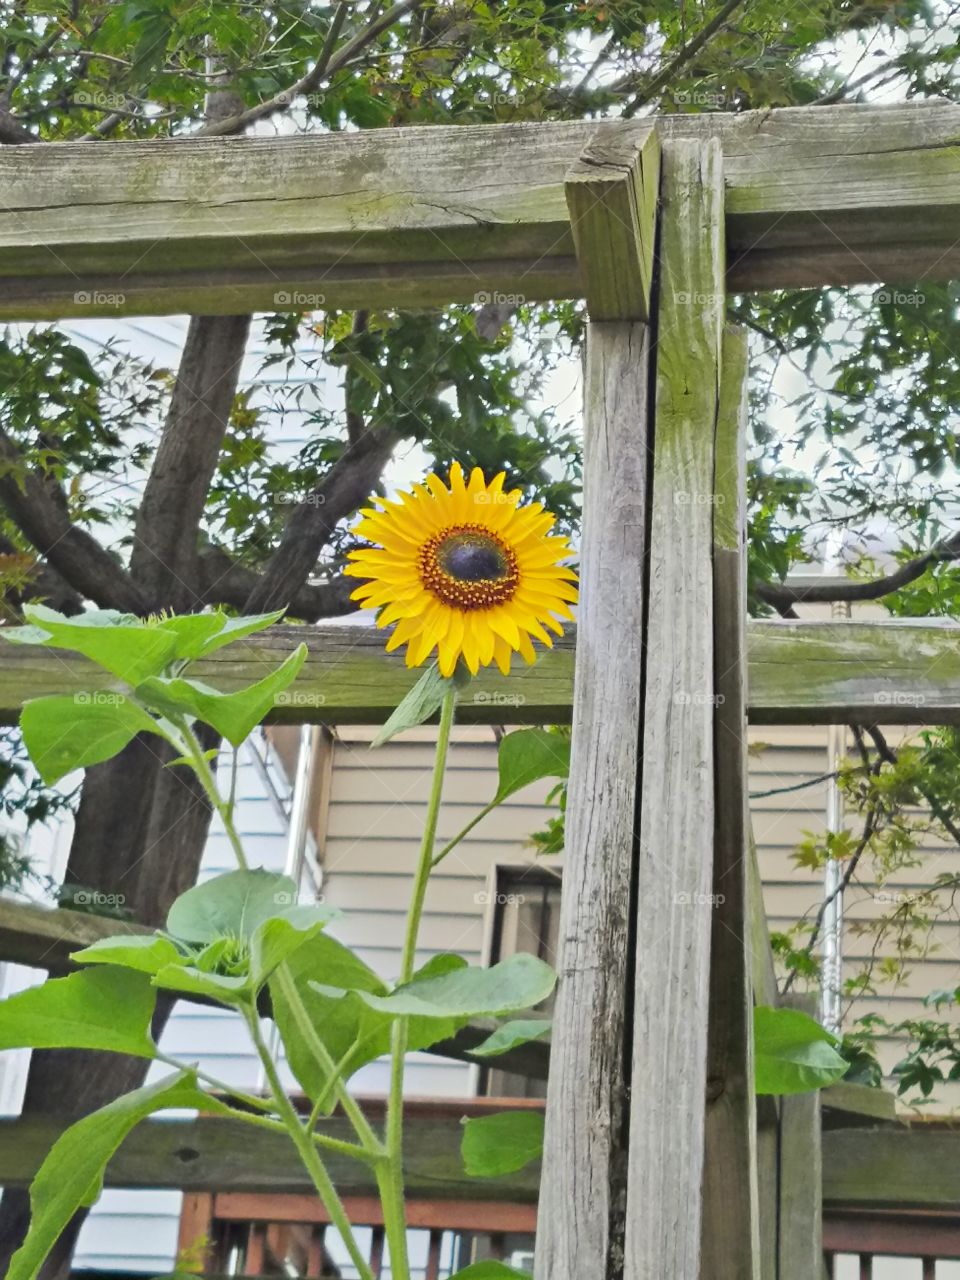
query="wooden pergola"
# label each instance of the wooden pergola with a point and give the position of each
(655, 1167)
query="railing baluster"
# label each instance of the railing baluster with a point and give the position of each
(253, 1262)
(433, 1256)
(376, 1251)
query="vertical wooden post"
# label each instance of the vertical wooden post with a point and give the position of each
(674, 876)
(731, 1223)
(800, 1218)
(580, 1221)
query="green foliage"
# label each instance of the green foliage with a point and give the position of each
(513, 1034)
(793, 1053)
(526, 756)
(417, 706)
(489, 1271)
(72, 1172)
(96, 1009)
(503, 1143)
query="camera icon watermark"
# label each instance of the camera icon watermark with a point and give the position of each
(484, 698)
(898, 698)
(298, 299)
(485, 298)
(94, 898)
(285, 498)
(684, 698)
(98, 698)
(300, 698)
(485, 899)
(97, 298)
(688, 899)
(899, 298)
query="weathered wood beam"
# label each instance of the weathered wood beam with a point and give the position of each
(674, 873)
(898, 1166)
(202, 1155)
(425, 216)
(582, 1201)
(612, 193)
(731, 1215)
(893, 672)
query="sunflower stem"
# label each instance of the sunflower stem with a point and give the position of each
(391, 1184)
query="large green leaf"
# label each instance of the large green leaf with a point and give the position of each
(233, 629)
(793, 1053)
(146, 952)
(416, 706)
(501, 1143)
(276, 941)
(71, 1176)
(526, 756)
(65, 733)
(511, 1035)
(234, 715)
(329, 979)
(228, 989)
(236, 903)
(94, 1009)
(119, 642)
(519, 982)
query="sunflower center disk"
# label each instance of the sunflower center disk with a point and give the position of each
(468, 567)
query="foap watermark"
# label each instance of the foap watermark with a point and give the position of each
(99, 698)
(94, 898)
(287, 499)
(98, 98)
(300, 698)
(898, 698)
(97, 298)
(684, 498)
(683, 298)
(899, 298)
(700, 98)
(482, 698)
(892, 898)
(684, 698)
(299, 299)
(485, 899)
(497, 299)
(687, 898)
(499, 98)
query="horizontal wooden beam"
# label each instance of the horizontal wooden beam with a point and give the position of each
(900, 1166)
(426, 216)
(201, 1155)
(893, 672)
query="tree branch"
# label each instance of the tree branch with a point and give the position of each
(328, 64)
(680, 59)
(346, 485)
(223, 581)
(163, 559)
(38, 507)
(826, 593)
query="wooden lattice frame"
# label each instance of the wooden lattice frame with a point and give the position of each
(657, 821)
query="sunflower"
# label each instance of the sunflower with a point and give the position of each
(464, 570)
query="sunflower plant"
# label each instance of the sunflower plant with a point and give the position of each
(466, 576)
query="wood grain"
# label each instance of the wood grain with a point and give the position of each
(731, 1223)
(582, 1200)
(612, 194)
(675, 861)
(902, 671)
(424, 216)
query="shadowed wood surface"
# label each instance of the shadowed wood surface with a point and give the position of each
(583, 1198)
(731, 1221)
(893, 672)
(673, 912)
(428, 215)
(884, 1168)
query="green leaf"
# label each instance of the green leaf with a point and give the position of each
(490, 1271)
(519, 982)
(511, 1034)
(226, 988)
(234, 715)
(71, 1176)
(146, 952)
(95, 1009)
(526, 756)
(65, 733)
(276, 941)
(236, 629)
(501, 1143)
(418, 705)
(793, 1053)
(234, 904)
(121, 643)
